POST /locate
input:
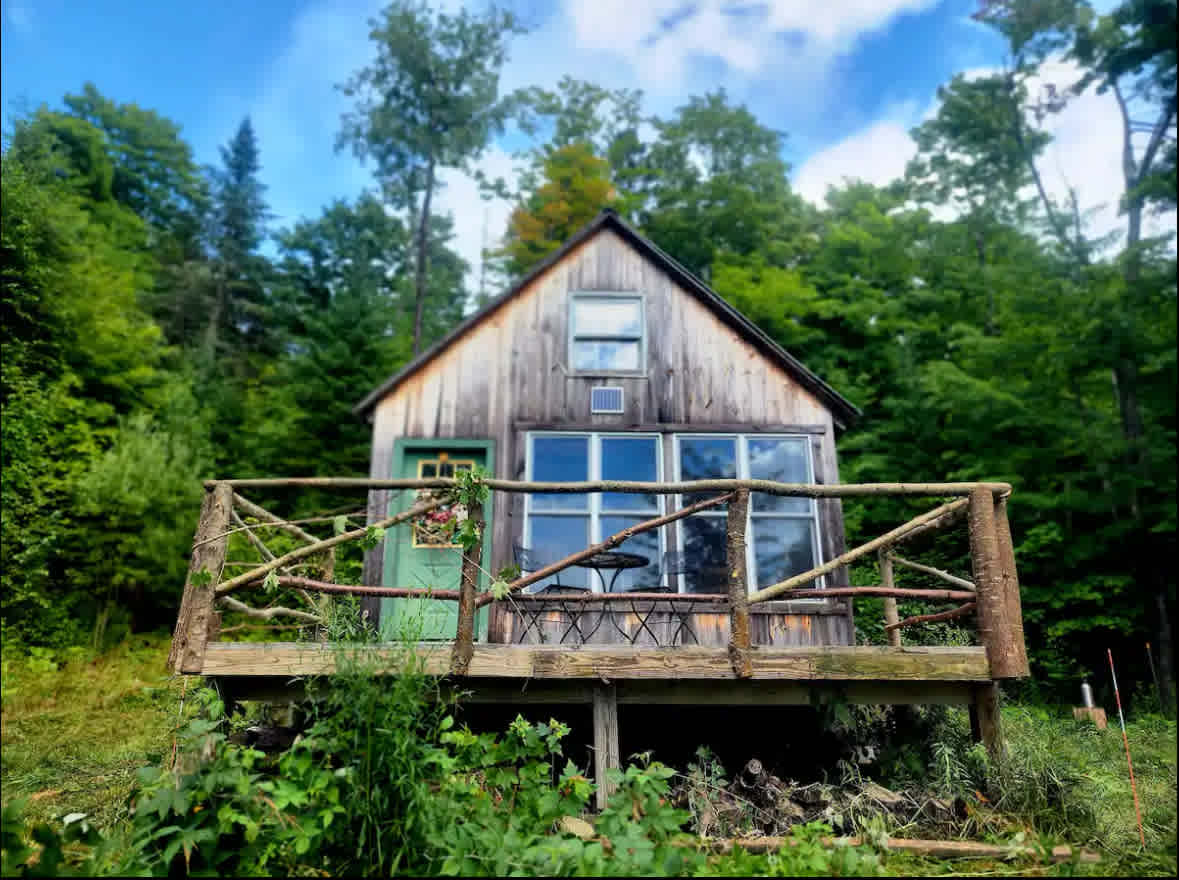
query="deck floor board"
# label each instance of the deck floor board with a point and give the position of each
(614, 663)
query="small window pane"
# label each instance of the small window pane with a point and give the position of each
(429, 469)
(705, 554)
(446, 469)
(555, 537)
(702, 458)
(783, 548)
(607, 317)
(783, 460)
(633, 459)
(643, 544)
(599, 355)
(560, 460)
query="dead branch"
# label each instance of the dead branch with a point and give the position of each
(936, 572)
(960, 611)
(265, 515)
(609, 544)
(268, 613)
(789, 584)
(262, 570)
(314, 586)
(770, 487)
(894, 592)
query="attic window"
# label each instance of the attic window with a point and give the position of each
(606, 332)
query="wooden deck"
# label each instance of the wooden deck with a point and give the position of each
(912, 665)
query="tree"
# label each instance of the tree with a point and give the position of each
(1131, 53)
(575, 187)
(429, 101)
(970, 160)
(714, 182)
(238, 311)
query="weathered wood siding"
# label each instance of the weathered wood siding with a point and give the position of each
(510, 372)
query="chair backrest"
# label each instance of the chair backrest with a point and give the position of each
(525, 558)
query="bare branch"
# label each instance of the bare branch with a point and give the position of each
(268, 613)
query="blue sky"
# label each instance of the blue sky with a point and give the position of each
(845, 79)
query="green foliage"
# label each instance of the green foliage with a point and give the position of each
(576, 186)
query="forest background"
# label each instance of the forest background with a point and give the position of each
(157, 330)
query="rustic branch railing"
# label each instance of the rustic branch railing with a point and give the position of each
(993, 594)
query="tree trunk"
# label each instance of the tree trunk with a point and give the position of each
(1166, 657)
(422, 269)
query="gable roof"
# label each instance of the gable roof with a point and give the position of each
(843, 411)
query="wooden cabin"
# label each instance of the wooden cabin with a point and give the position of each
(662, 522)
(611, 361)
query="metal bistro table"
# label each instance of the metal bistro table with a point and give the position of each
(575, 610)
(613, 561)
(618, 563)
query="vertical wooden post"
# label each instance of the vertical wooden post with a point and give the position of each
(606, 752)
(1012, 601)
(740, 650)
(984, 719)
(993, 628)
(195, 618)
(464, 638)
(890, 604)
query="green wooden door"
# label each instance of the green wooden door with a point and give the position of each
(420, 558)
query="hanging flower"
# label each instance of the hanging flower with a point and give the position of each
(436, 527)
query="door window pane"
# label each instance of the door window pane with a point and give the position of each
(555, 537)
(783, 547)
(629, 458)
(560, 460)
(607, 317)
(643, 544)
(605, 355)
(783, 460)
(705, 554)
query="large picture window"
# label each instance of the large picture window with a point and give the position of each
(782, 533)
(606, 333)
(557, 525)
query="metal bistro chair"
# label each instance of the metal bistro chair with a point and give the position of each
(530, 560)
(675, 563)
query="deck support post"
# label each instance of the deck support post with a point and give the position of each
(740, 629)
(606, 752)
(464, 640)
(985, 726)
(890, 603)
(195, 621)
(1012, 601)
(994, 629)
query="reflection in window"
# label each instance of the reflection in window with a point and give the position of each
(781, 531)
(607, 333)
(560, 460)
(562, 524)
(555, 537)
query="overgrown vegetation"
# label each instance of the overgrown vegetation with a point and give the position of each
(382, 780)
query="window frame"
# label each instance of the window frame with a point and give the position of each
(742, 463)
(573, 337)
(594, 509)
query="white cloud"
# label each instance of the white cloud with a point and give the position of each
(478, 222)
(659, 38)
(1085, 154)
(877, 155)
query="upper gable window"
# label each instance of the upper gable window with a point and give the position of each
(606, 332)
